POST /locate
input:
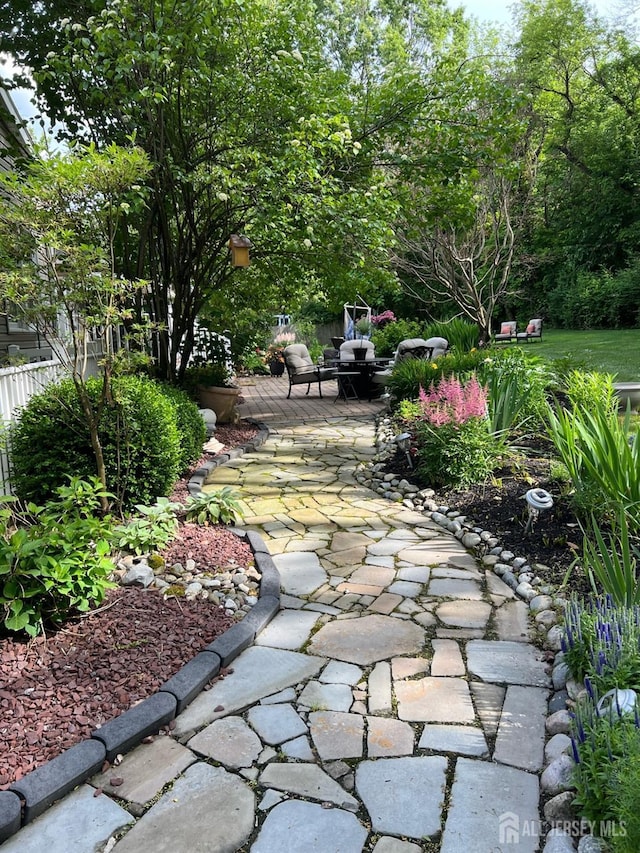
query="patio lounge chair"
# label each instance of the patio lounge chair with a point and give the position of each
(508, 332)
(413, 348)
(533, 331)
(302, 371)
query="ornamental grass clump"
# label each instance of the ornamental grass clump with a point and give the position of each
(454, 445)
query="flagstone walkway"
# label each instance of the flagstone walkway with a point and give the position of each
(394, 704)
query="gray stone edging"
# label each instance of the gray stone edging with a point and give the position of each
(543, 602)
(36, 791)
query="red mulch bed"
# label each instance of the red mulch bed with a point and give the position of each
(55, 690)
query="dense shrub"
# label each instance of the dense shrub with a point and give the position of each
(192, 431)
(584, 388)
(387, 338)
(138, 432)
(592, 300)
(452, 438)
(519, 378)
(410, 374)
(461, 334)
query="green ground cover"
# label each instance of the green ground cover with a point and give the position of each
(608, 350)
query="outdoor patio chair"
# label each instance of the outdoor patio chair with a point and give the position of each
(413, 348)
(533, 331)
(348, 347)
(438, 346)
(302, 371)
(508, 332)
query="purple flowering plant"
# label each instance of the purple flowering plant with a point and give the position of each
(601, 643)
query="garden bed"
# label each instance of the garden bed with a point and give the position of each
(499, 506)
(56, 689)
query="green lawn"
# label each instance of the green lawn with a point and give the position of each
(607, 350)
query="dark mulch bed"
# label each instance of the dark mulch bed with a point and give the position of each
(499, 506)
(56, 689)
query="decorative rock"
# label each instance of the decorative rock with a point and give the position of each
(554, 638)
(558, 841)
(558, 701)
(470, 540)
(590, 844)
(556, 746)
(559, 676)
(546, 618)
(540, 602)
(138, 575)
(559, 722)
(559, 809)
(557, 776)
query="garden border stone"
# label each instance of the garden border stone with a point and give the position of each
(10, 811)
(43, 786)
(27, 798)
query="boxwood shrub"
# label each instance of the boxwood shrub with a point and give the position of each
(138, 431)
(191, 425)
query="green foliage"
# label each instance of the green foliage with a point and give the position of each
(625, 789)
(456, 454)
(208, 375)
(54, 559)
(192, 430)
(219, 507)
(601, 643)
(137, 429)
(411, 374)
(462, 335)
(387, 338)
(600, 744)
(611, 562)
(583, 388)
(600, 299)
(602, 455)
(151, 529)
(364, 327)
(517, 383)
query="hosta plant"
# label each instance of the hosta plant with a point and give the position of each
(219, 507)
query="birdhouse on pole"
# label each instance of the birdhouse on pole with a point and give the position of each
(239, 250)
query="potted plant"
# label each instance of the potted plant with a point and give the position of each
(363, 329)
(275, 359)
(213, 387)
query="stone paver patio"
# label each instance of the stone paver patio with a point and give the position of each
(394, 704)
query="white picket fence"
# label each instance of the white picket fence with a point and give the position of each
(17, 386)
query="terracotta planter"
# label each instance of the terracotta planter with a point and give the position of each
(223, 401)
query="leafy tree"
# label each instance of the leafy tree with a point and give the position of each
(58, 225)
(584, 80)
(245, 125)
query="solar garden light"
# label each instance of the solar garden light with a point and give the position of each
(404, 443)
(538, 500)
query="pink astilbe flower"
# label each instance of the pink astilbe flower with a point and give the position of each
(453, 402)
